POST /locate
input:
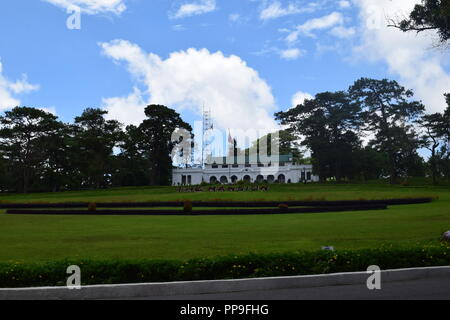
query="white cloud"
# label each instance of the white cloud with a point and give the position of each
(51, 110)
(300, 97)
(286, 54)
(92, 6)
(129, 110)
(291, 54)
(324, 22)
(408, 55)
(9, 89)
(344, 4)
(195, 8)
(276, 10)
(178, 27)
(307, 28)
(189, 79)
(234, 17)
(343, 32)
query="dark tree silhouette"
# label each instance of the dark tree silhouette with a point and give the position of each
(430, 15)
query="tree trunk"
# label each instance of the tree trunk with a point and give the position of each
(26, 180)
(393, 170)
(433, 164)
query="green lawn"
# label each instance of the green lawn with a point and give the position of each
(42, 238)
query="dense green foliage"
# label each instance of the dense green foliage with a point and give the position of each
(228, 267)
(29, 144)
(40, 153)
(333, 125)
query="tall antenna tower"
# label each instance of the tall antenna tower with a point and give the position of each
(208, 127)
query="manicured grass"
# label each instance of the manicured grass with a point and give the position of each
(45, 238)
(276, 193)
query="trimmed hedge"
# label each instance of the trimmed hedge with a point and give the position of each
(217, 204)
(188, 210)
(187, 206)
(92, 207)
(14, 275)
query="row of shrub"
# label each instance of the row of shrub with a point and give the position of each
(14, 275)
(215, 204)
(188, 209)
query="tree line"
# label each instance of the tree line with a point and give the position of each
(372, 130)
(40, 153)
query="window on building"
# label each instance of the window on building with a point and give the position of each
(189, 180)
(248, 165)
(225, 166)
(309, 176)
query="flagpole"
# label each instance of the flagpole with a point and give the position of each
(203, 134)
(229, 168)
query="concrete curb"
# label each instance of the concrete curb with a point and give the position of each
(216, 286)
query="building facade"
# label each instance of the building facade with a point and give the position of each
(229, 170)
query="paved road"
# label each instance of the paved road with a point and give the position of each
(423, 289)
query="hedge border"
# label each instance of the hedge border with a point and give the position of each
(94, 272)
(200, 212)
(217, 204)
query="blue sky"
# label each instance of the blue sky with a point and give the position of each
(244, 59)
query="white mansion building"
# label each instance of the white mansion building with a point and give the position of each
(226, 170)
